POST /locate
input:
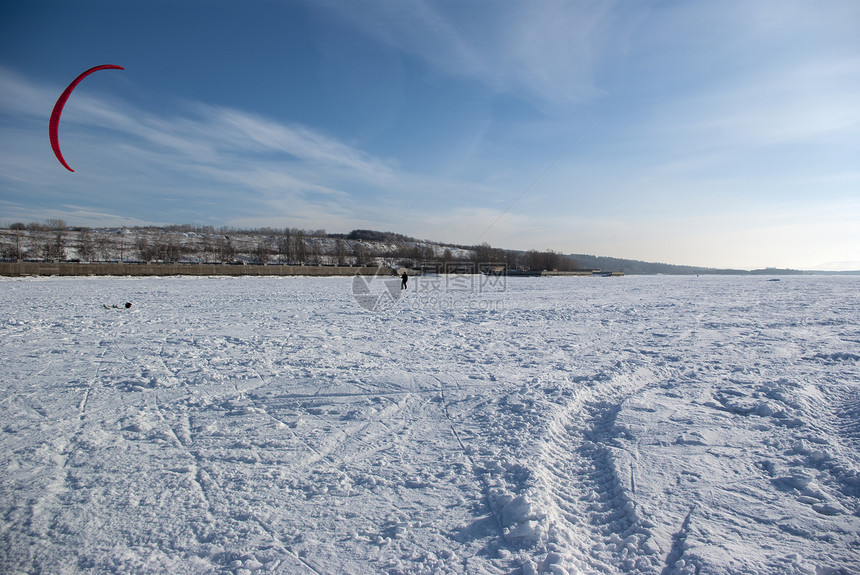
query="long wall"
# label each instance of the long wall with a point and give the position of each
(125, 269)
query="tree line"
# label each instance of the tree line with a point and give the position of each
(54, 240)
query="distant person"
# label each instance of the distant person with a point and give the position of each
(405, 279)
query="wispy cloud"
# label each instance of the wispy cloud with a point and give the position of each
(546, 54)
(200, 162)
(798, 104)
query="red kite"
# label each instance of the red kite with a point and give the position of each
(58, 109)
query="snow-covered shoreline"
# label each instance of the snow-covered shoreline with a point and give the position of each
(558, 425)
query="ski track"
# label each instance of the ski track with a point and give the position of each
(273, 426)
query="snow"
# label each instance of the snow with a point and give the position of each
(548, 425)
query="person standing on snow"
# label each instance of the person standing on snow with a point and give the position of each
(405, 278)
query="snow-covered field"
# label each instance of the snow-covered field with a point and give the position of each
(559, 425)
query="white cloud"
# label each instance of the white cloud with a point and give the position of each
(803, 103)
(197, 154)
(546, 53)
(749, 76)
(21, 97)
(201, 163)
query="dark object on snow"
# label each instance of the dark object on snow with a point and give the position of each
(127, 304)
(405, 278)
(114, 306)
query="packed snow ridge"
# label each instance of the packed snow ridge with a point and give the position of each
(660, 425)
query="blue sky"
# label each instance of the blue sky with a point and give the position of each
(724, 134)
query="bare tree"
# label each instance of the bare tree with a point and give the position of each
(301, 246)
(340, 252)
(261, 253)
(206, 249)
(360, 252)
(447, 258)
(285, 246)
(56, 224)
(226, 251)
(10, 251)
(145, 251)
(542, 261)
(54, 248)
(171, 251)
(103, 248)
(19, 228)
(86, 247)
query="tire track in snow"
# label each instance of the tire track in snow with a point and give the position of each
(590, 516)
(840, 417)
(846, 415)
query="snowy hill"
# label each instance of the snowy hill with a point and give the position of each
(204, 244)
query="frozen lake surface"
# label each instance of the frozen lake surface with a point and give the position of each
(543, 425)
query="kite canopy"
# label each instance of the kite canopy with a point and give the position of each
(58, 109)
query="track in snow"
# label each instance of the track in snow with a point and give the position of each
(650, 425)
